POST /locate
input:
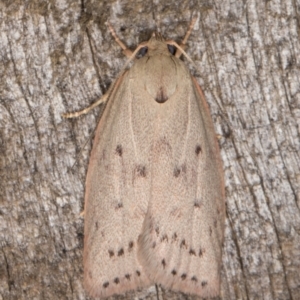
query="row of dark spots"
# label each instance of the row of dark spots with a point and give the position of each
(191, 252)
(141, 170)
(121, 251)
(197, 204)
(117, 280)
(184, 276)
(174, 273)
(165, 237)
(182, 245)
(178, 170)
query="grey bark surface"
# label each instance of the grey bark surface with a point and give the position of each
(59, 56)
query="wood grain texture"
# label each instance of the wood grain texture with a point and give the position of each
(60, 57)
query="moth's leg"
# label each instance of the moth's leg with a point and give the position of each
(87, 109)
(183, 43)
(126, 51)
(103, 99)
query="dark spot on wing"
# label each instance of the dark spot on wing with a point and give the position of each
(197, 203)
(119, 205)
(164, 238)
(183, 276)
(111, 253)
(141, 171)
(174, 237)
(130, 245)
(138, 273)
(121, 252)
(105, 284)
(157, 230)
(127, 276)
(116, 280)
(200, 252)
(194, 278)
(183, 244)
(96, 225)
(204, 283)
(192, 252)
(119, 150)
(163, 262)
(173, 272)
(178, 170)
(198, 149)
(161, 96)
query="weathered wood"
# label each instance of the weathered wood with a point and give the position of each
(59, 56)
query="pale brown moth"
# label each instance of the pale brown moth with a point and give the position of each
(154, 202)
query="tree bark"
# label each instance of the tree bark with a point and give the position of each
(59, 56)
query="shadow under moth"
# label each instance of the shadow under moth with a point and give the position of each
(154, 200)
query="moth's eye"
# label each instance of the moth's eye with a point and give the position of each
(172, 49)
(142, 52)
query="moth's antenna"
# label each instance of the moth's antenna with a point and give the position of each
(158, 23)
(183, 43)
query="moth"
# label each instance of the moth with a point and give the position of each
(154, 201)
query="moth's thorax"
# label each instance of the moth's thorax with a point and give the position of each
(163, 73)
(160, 67)
(157, 45)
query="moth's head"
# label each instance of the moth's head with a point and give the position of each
(156, 45)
